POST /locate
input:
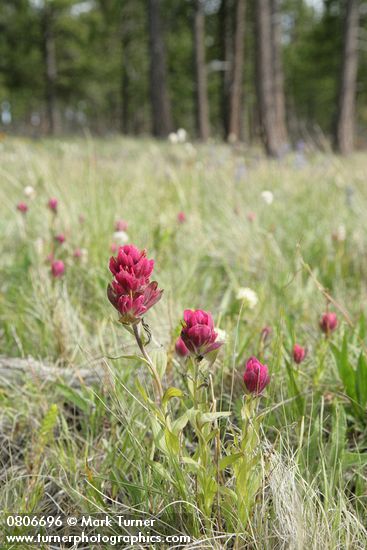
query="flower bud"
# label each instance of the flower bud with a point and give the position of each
(22, 207)
(60, 238)
(299, 353)
(198, 332)
(52, 204)
(181, 217)
(256, 376)
(57, 268)
(81, 254)
(265, 333)
(328, 322)
(121, 225)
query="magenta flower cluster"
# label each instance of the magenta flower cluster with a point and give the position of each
(198, 334)
(299, 353)
(256, 376)
(131, 291)
(328, 322)
(22, 207)
(132, 294)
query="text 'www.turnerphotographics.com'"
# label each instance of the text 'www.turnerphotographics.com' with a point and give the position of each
(102, 528)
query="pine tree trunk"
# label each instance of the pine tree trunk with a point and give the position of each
(125, 90)
(279, 98)
(126, 38)
(264, 77)
(160, 102)
(201, 83)
(345, 120)
(50, 68)
(235, 96)
(225, 18)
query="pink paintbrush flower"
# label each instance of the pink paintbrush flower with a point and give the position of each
(121, 225)
(265, 333)
(328, 322)
(22, 207)
(131, 291)
(52, 204)
(256, 376)
(181, 217)
(299, 353)
(131, 269)
(57, 268)
(198, 332)
(80, 254)
(60, 238)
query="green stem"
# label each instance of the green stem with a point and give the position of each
(156, 380)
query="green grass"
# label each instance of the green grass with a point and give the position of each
(92, 449)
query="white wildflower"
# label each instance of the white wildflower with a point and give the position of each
(173, 137)
(267, 196)
(340, 234)
(120, 237)
(181, 135)
(29, 191)
(248, 296)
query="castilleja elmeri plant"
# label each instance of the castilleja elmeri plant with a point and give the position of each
(198, 333)
(132, 293)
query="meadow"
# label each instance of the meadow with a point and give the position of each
(284, 469)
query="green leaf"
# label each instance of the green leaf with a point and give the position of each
(345, 369)
(172, 441)
(362, 327)
(161, 470)
(179, 424)
(337, 442)
(141, 390)
(171, 392)
(135, 357)
(193, 465)
(159, 435)
(46, 431)
(228, 460)
(75, 397)
(294, 390)
(159, 358)
(210, 417)
(227, 492)
(361, 381)
(354, 459)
